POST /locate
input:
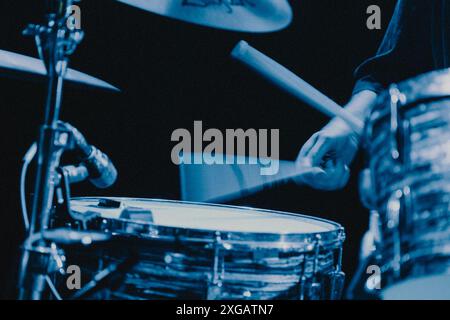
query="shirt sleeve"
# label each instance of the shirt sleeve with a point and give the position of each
(405, 50)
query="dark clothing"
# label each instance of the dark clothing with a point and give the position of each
(416, 41)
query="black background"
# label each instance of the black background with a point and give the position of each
(172, 73)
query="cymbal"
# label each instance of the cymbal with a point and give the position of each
(25, 67)
(235, 15)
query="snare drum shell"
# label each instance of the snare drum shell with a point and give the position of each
(199, 251)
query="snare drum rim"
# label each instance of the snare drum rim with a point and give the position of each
(284, 242)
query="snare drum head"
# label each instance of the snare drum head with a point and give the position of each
(211, 217)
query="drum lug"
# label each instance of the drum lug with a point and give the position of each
(316, 253)
(393, 220)
(214, 291)
(397, 99)
(315, 291)
(215, 281)
(336, 282)
(337, 278)
(301, 287)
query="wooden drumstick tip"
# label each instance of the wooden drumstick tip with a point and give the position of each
(240, 49)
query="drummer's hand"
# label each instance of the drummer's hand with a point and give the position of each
(324, 160)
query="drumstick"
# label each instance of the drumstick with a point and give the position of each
(288, 81)
(225, 182)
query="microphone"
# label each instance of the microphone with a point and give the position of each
(100, 169)
(76, 174)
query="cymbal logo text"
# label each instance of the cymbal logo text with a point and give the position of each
(228, 4)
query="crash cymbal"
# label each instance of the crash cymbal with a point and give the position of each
(25, 67)
(235, 15)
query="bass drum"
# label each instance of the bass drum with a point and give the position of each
(408, 142)
(199, 251)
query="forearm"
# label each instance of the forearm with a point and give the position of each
(359, 105)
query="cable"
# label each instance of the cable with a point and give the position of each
(27, 159)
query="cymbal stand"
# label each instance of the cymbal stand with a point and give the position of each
(56, 41)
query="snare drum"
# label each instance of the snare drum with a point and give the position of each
(408, 142)
(199, 251)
